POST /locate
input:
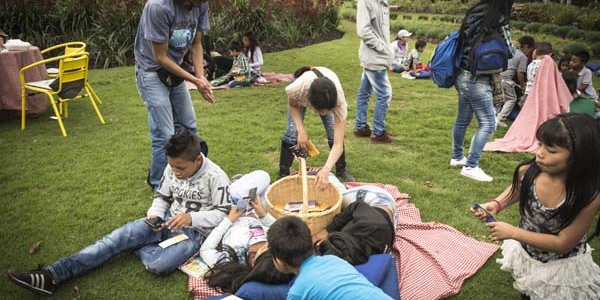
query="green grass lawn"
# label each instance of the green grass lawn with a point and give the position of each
(68, 192)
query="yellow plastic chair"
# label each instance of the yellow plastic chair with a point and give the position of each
(62, 49)
(68, 85)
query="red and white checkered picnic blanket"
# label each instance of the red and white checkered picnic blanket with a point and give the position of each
(433, 260)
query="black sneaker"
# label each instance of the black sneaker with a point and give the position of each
(364, 132)
(38, 281)
(345, 176)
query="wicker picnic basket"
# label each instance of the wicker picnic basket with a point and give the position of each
(290, 189)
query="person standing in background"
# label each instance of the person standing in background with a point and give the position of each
(475, 92)
(167, 30)
(375, 56)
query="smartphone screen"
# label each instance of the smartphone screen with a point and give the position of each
(243, 204)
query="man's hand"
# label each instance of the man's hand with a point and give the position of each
(302, 139)
(153, 217)
(259, 209)
(177, 222)
(322, 180)
(205, 90)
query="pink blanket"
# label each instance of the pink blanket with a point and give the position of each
(270, 77)
(549, 97)
(432, 259)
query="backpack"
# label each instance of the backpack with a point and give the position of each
(490, 55)
(445, 61)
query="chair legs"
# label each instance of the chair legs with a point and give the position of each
(60, 108)
(93, 98)
(91, 91)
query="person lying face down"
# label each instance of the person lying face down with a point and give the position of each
(366, 225)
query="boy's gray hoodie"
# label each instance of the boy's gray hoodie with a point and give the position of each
(373, 28)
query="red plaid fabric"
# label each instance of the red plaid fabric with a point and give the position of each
(200, 288)
(432, 259)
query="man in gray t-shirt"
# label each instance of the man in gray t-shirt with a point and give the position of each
(168, 29)
(517, 67)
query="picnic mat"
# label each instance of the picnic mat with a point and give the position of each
(432, 259)
(270, 77)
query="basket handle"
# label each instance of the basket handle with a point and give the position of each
(304, 209)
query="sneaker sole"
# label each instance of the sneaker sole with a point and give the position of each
(28, 286)
(362, 136)
(475, 178)
(457, 164)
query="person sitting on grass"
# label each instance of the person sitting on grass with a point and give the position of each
(240, 73)
(366, 225)
(416, 68)
(191, 199)
(585, 89)
(325, 277)
(400, 48)
(243, 253)
(255, 57)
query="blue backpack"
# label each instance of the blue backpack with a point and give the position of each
(445, 61)
(490, 55)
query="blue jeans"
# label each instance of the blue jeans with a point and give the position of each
(169, 109)
(291, 132)
(131, 236)
(379, 82)
(397, 68)
(474, 97)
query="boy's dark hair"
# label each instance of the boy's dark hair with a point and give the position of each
(583, 55)
(229, 274)
(581, 135)
(420, 44)
(183, 144)
(236, 46)
(290, 241)
(343, 245)
(543, 48)
(322, 93)
(527, 41)
(570, 78)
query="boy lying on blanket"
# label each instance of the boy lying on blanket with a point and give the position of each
(365, 226)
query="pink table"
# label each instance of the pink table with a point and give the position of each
(11, 63)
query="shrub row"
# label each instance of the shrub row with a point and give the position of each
(108, 27)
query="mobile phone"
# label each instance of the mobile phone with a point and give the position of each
(243, 204)
(155, 223)
(489, 217)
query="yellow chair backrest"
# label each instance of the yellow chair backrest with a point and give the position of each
(74, 68)
(64, 48)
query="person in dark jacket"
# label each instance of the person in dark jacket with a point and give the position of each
(366, 225)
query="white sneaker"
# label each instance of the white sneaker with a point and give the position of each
(475, 173)
(500, 124)
(407, 75)
(458, 162)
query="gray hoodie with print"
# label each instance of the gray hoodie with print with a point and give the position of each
(373, 28)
